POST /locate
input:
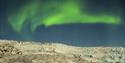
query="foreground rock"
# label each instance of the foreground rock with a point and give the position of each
(30, 52)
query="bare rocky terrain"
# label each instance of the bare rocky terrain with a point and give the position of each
(36, 52)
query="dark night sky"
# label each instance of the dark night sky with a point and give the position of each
(73, 34)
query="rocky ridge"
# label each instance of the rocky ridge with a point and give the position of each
(36, 52)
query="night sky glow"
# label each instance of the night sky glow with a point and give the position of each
(56, 13)
(73, 22)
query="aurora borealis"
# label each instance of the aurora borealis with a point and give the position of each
(56, 12)
(73, 22)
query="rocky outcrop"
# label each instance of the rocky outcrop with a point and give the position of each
(32, 52)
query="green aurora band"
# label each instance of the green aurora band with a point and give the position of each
(56, 13)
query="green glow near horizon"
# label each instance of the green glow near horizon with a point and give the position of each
(55, 13)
